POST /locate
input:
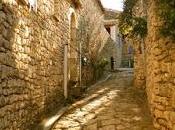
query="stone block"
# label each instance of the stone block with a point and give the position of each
(172, 117)
(108, 122)
(173, 100)
(91, 127)
(165, 91)
(173, 127)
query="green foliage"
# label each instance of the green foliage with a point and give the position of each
(102, 63)
(130, 24)
(136, 26)
(167, 13)
(99, 68)
(139, 27)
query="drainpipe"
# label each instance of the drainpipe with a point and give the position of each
(65, 70)
(80, 63)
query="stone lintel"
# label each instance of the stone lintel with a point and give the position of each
(110, 22)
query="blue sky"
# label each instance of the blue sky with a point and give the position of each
(113, 4)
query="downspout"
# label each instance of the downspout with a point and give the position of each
(80, 55)
(65, 70)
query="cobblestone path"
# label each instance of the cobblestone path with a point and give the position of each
(111, 105)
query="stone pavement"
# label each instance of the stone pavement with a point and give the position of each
(115, 105)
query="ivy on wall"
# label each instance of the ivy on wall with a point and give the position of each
(167, 13)
(137, 26)
(130, 24)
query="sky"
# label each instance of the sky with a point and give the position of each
(113, 4)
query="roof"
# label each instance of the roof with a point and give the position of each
(112, 10)
(111, 14)
(101, 6)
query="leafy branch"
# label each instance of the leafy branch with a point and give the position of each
(129, 24)
(166, 9)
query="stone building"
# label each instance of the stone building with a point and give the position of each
(46, 47)
(124, 53)
(111, 25)
(140, 10)
(160, 52)
(127, 53)
(159, 69)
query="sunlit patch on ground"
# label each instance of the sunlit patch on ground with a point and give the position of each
(108, 106)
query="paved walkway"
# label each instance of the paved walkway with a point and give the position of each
(112, 105)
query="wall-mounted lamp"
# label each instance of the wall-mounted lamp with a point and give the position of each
(84, 61)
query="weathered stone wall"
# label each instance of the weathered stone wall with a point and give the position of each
(139, 64)
(94, 38)
(31, 56)
(111, 21)
(119, 42)
(109, 49)
(160, 53)
(127, 56)
(31, 61)
(140, 10)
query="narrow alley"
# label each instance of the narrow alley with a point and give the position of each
(55, 55)
(111, 105)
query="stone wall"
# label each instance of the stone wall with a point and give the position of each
(94, 39)
(32, 52)
(31, 61)
(127, 56)
(140, 10)
(139, 64)
(111, 24)
(160, 53)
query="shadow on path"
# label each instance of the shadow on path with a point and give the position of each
(112, 105)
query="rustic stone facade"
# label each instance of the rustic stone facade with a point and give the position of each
(32, 53)
(127, 53)
(157, 66)
(97, 44)
(160, 53)
(139, 64)
(31, 61)
(111, 25)
(140, 10)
